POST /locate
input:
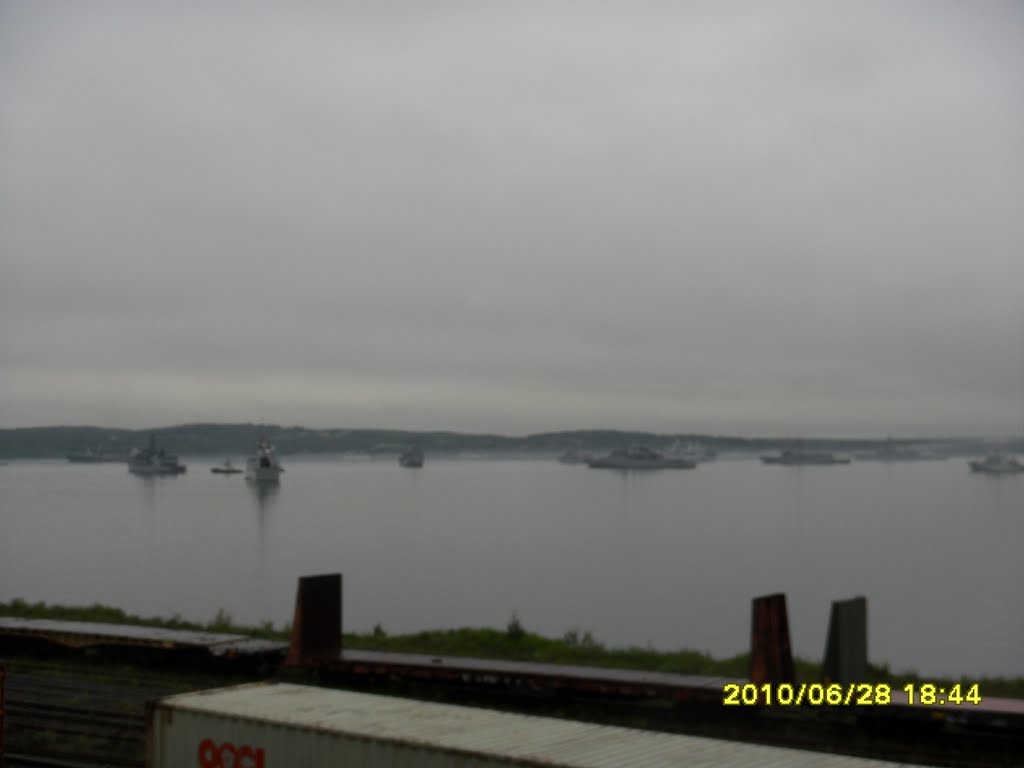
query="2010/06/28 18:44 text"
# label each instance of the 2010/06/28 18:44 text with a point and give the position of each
(838, 694)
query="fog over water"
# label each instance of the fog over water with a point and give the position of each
(796, 218)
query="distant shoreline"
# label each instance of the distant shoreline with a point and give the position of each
(239, 439)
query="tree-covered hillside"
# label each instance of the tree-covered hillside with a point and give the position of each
(239, 439)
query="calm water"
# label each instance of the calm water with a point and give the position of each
(666, 559)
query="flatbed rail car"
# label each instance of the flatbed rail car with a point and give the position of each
(127, 637)
(277, 724)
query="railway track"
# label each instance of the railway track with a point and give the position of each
(63, 722)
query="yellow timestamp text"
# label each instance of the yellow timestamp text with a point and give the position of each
(848, 694)
(931, 695)
(814, 694)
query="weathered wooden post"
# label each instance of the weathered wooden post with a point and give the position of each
(846, 649)
(316, 630)
(771, 659)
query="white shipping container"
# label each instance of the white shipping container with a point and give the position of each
(277, 725)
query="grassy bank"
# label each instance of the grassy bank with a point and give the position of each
(514, 642)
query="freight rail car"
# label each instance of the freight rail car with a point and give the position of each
(272, 725)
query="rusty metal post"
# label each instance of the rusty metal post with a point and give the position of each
(846, 649)
(3, 720)
(771, 659)
(316, 630)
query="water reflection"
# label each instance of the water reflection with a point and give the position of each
(147, 490)
(265, 495)
(628, 482)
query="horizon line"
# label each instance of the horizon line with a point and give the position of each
(675, 433)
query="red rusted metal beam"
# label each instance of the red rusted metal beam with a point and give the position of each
(771, 658)
(316, 630)
(3, 720)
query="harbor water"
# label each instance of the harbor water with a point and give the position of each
(664, 559)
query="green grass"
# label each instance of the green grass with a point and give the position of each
(513, 643)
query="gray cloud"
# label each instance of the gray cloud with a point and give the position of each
(798, 218)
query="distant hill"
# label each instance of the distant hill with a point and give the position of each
(239, 439)
(235, 439)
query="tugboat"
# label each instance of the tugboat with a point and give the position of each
(411, 456)
(263, 466)
(227, 468)
(639, 457)
(149, 461)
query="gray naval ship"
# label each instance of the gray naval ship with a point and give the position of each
(640, 457)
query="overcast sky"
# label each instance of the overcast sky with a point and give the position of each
(765, 218)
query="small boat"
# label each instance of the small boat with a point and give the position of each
(95, 456)
(639, 457)
(695, 452)
(149, 461)
(798, 456)
(411, 456)
(227, 468)
(997, 464)
(263, 466)
(896, 451)
(575, 455)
